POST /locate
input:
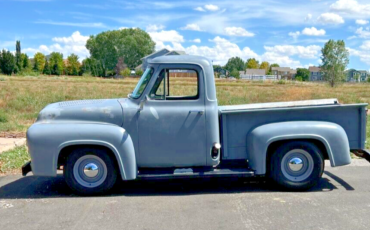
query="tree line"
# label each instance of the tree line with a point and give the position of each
(112, 53)
(334, 61)
(236, 64)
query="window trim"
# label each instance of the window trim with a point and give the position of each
(174, 98)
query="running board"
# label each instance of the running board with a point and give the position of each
(193, 173)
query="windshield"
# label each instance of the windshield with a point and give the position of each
(141, 85)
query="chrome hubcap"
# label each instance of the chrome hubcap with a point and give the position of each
(296, 164)
(91, 170)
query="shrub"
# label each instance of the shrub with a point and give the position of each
(139, 72)
(299, 78)
(126, 72)
(3, 118)
(281, 82)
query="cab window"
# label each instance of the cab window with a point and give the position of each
(176, 84)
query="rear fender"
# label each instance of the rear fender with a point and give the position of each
(331, 135)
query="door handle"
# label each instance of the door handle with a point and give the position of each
(201, 112)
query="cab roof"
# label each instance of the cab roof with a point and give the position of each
(182, 59)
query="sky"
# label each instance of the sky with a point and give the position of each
(290, 32)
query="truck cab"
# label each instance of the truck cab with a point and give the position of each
(169, 128)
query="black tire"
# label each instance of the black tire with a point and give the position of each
(285, 177)
(105, 183)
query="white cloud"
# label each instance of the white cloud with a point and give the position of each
(308, 17)
(313, 32)
(283, 61)
(171, 36)
(221, 51)
(330, 18)
(361, 22)
(238, 31)
(363, 33)
(191, 27)
(350, 7)
(364, 55)
(153, 28)
(365, 45)
(75, 24)
(199, 8)
(211, 7)
(65, 45)
(308, 52)
(197, 40)
(295, 35)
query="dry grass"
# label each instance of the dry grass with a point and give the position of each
(21, 98)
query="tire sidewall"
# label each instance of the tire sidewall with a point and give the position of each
(318, 168)
(80, 189)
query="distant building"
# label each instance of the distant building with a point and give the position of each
(255, 72)
(284, 72)
(163, 52)
(315, 74)
(357, 75)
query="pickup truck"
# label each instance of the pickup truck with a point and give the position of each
(170, 128)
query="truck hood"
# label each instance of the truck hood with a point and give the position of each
(104, 111)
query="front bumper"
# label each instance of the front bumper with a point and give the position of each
(363, 153)
(26, 168)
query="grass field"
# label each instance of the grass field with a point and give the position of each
(21, 98)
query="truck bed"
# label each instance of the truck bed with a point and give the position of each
(238, 120)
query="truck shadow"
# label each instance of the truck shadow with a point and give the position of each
(33, 187)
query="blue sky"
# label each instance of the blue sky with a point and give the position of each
(290, 33)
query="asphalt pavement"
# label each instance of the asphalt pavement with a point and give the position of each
(340, 201)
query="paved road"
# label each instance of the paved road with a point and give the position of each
(340, 201)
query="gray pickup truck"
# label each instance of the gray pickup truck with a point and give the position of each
(170, 128)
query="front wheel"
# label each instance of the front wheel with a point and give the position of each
(90, 171)
(297, 165)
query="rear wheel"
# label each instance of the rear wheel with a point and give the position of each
(90, 171)
(297, 165)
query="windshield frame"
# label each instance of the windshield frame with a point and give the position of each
(149, 72)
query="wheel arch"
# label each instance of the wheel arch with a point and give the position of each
(124, 157)
(276, 144)
(68, 149)
(329, 137)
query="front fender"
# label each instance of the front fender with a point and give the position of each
(331, 135)
(46, 141)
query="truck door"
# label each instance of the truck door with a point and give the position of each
(172, 130)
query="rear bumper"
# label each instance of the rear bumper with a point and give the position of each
(363, 153)
(26, 168)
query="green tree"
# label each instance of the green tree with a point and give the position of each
(272, 65)
(39, 62)
(139, 72)
(334, 61)
(47, 70)
(125, 73)
(56, 63)
(235, 63)
(7, 62)
(303, 74)
(235, 73)
(73, 65)
(25, 61)
(18, 57)
(217, 68)
(131, 44)
(266, 66)
(91, 66)
(252, 63)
